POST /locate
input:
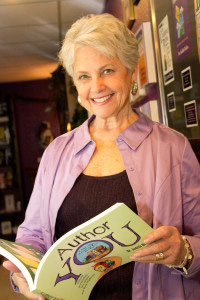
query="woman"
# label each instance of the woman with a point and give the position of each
(118, 155)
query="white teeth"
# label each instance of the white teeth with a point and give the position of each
(100, 100)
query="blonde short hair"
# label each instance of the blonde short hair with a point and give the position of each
(103, 32)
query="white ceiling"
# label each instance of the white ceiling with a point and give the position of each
(30, 34)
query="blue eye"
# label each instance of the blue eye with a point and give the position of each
(107, 71)
(83, 77)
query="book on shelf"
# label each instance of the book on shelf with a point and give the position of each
(2, 180)
(6, 228)
(4, 119)
(9, 203)
(3, 109)
(6, 180)
(2, 157)
(75, 262)
(4, 135)
(5, 157)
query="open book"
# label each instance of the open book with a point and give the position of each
(76, 261)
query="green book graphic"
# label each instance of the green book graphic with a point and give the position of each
(75, 262)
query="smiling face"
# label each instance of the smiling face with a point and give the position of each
(103, 83)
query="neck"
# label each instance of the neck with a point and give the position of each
(110, 128)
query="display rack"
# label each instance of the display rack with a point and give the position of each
(11, 195)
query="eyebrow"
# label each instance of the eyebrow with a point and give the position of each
(103, 67)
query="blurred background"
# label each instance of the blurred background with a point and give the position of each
(38, 100)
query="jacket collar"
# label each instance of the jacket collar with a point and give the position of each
(82, 136)
(133, 136)
(136, 133)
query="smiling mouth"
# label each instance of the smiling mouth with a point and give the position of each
(102, 99)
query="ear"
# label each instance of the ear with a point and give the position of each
(134, 74)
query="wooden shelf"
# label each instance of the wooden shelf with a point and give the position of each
(11, 195)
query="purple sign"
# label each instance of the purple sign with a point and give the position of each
(181, 28)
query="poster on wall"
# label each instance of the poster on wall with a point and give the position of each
(186, 79)
(171, 102)
(165, 49)
(181, 28)
(191, 114)
(141, 63)
(146, 63)
(197, 18)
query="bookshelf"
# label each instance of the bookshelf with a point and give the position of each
(11, 195)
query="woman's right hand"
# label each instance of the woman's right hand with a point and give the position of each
(20, 281)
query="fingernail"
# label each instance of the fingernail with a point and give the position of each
(146, 240)
(134, 256)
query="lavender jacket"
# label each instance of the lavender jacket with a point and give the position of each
(165, 177)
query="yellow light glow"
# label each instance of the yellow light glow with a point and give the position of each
(68, 126)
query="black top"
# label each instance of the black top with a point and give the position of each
(88, 197)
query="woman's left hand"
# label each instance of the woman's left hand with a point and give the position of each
(165, 246)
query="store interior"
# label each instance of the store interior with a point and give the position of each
(38, 100)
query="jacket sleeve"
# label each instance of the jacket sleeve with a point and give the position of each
(37, 229)
(190, 170)
(30, 231)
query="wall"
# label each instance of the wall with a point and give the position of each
(114, 7)
(177, 49)
(29, 110)
(142, 11)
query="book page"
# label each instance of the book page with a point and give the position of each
(25, 257)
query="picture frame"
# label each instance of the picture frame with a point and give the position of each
(128, 12)
(6, 228)
(9, 202)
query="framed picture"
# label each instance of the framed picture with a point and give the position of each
(9, 203)
(191, 118)
(128, 12)
(6, 227)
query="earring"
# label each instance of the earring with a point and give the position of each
(79, 100)
(134, 88)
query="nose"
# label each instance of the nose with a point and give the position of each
(97, 84)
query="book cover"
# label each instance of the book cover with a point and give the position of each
(75, 262)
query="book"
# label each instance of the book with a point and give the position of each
(3, 109)
(3, 119)
(4, 135)
(76, 261)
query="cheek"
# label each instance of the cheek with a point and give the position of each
(125, 89)
(83, 94)
(77, 88)
(82, 91)
(128, 86)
